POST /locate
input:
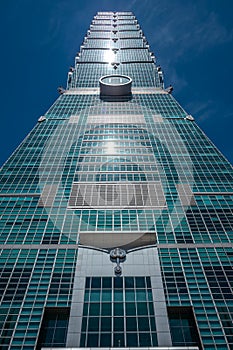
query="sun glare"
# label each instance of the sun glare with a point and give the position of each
(109, 56)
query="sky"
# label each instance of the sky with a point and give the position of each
(192, 40)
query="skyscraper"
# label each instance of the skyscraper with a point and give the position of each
(116, 212)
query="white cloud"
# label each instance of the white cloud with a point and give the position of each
(202, 110)
(187, 27)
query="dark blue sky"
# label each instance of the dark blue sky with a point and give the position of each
(192, 40)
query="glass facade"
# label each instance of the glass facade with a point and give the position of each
(124, 169)
(118, 312)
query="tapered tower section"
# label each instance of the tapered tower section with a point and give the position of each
(116, 212)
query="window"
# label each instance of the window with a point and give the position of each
(54, 328)
(183, 327)
(118, 312)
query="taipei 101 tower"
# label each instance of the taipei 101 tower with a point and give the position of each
(116, 213)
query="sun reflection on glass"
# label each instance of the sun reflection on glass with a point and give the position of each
(110, 147)
(109, 56)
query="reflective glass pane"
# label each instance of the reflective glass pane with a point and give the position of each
(132, 339)
(106, 309)
(106, 324)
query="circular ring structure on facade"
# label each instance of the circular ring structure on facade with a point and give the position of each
(115, 85)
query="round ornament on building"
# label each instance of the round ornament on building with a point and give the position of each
(115, 85)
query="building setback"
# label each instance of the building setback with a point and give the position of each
(116, 212)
